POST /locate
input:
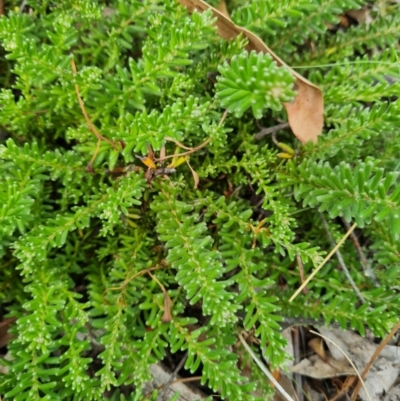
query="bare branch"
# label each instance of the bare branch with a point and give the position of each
(341, 261)
(270, 130)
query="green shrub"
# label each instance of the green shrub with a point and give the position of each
(92, 260)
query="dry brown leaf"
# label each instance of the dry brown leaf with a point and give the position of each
(385, 368)
(317, 345)
(167, 315)
(5, 337)
(195, 175)
(362, 16)
(315, 367)
(344, 22)
(305, 112)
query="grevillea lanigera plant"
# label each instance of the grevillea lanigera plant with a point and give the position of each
(142, 216)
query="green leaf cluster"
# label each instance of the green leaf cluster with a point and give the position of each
(254, 81)
(109, 266)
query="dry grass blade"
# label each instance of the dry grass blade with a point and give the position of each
(265, 369)
(339, 244)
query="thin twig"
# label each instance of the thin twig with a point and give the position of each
(223, 117)
(188, 379)
(372, 360)
(341, 261)
(300, 321)
(274, 140)
(364, 262)
(181, 380)
(270, 130)
(82, 106)
(167, 316)
(2, 11)
(89, 167)
(310, 277)
(190, 150)
(128, 280)
(172, 377)
(350, 361)
(297, 378)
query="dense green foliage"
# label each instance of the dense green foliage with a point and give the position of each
(87, 254)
